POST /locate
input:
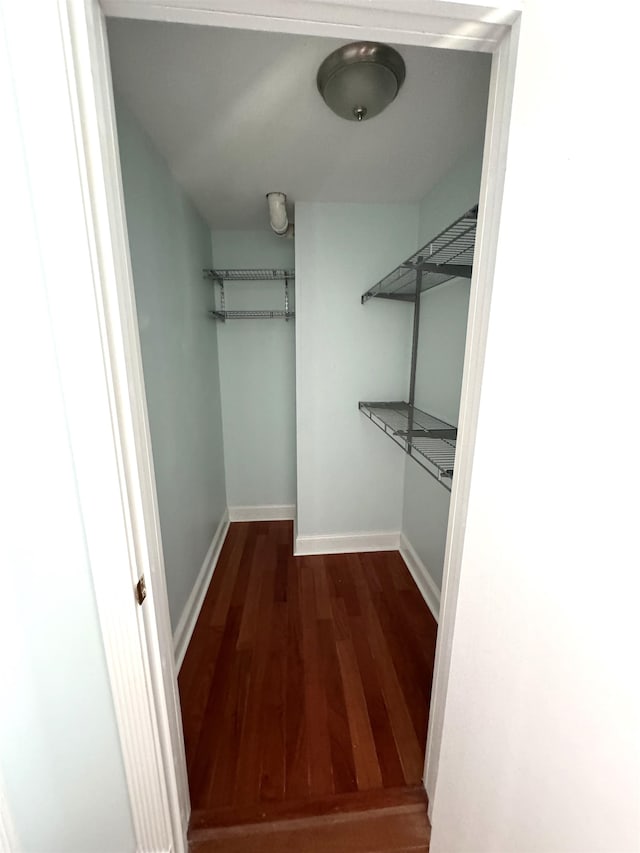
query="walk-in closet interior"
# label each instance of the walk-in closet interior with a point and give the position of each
(303, 391)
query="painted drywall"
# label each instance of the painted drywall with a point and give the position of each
(266, 127)
(61, 769)
(540, 748)
(257, 374)
(443, 323)
(443, 327)
(350, 475)
(170, 245)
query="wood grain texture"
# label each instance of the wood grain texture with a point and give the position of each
(203, 823)
(305, 687)
(390, 830)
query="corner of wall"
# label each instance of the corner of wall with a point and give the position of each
(422, 576)
(191, 611)
(425, 510)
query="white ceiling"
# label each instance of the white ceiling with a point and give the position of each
(237, 114)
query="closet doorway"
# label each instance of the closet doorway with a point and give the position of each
(303, 550)
(308, 542)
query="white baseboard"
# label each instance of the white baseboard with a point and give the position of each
(421, 576)
(191, 611)
(350, 543)
(270, 512)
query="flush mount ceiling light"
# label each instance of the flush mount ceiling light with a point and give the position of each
(357, 81)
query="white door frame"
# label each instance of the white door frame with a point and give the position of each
(138, 640)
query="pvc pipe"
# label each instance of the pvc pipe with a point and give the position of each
(278, 213)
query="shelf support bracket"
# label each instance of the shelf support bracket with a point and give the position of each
(286, 299)
(414, 353)
(455, 270)
(222, 308)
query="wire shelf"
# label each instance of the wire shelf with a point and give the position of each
(249, 275)
(219, 277)
(430, 441)
(252, 315)
(447, 256)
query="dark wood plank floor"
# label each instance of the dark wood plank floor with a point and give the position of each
(306, 686)
(402, 829)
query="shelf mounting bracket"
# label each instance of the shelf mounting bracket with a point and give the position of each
(414, 352)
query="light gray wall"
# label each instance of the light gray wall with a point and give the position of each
(443, 327)
(61, 768)
(170, 245)
(350, 475)
(257, 374)
(443, 324)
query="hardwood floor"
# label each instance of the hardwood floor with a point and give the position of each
(305, 689)
(391, 830)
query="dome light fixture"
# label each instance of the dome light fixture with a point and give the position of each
(358, 80)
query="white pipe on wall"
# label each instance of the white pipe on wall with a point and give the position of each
(278, 214)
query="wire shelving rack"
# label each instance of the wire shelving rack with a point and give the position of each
(447, 256)
(428, 440)
(219, 277)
